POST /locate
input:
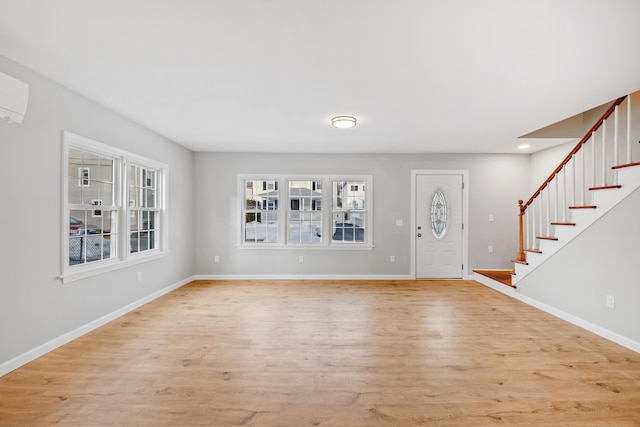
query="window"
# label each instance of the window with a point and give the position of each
(305, 212)
(144, 212)
(295, 216)
(96, 213)
(100, 231)
(89, 236)
(349, 211)
(260, 213)
(84, 175)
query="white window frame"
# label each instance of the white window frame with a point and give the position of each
(242, 209)
(120, 225)
(160, 171)
(284, 203)
(322, 212)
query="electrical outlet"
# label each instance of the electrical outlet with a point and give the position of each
(611, 301)
(490, 249)
(139, 275)
(392, 258)
(398, 223)
(300, 258)
(490, 217)
(216, 258)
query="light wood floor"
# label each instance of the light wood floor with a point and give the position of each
(330, 353)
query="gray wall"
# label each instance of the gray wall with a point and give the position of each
(599, 262)
(35, 306)
(496, 182)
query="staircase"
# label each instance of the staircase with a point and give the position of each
(597, 175)
(603, 200)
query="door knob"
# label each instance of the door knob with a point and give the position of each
(419, 234)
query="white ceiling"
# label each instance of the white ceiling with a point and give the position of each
(267, 76)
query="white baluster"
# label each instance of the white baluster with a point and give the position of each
(593, 159)
(574, 164)
(564, 194)
(629, 161)
(526, 228)
(540, 232)
(555, 184)
(531, 213)
(548, 219)
(583, 184)
(615, 144)
(615, 136)
(604, 153)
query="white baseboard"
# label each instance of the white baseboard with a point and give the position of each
(43, 349)
(302, 277)
(584, 324)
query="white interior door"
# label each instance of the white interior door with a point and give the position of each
(438, 231)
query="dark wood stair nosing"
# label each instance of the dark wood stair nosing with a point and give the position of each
(546, 238)
(583, 207)
(564, 223)
(629, 165)
(534, 251)
(606, 187)
(520, 262)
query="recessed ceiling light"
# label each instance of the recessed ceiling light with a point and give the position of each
(523, 146)
(343, 122)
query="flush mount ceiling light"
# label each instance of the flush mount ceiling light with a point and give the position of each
(523, 146)
(343, 122)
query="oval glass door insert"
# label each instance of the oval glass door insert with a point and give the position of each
(439, 214)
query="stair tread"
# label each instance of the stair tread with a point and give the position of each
(520, 262)
(626, 166)
(547, 238)
(583, 207)
(502, 276)
(563, 223)
(605, 187)
(535, 251)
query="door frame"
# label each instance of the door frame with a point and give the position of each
(465, 215)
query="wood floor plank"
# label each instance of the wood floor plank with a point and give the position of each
(329, 353)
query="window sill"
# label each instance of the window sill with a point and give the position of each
(107, 266)
(334, 247)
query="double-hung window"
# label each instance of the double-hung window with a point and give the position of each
(314, 211)
(113, 208)
(144, 209)
(260, 213)
(349, 211)
(305, 211)
(91, 183)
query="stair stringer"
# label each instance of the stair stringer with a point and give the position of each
(604, 200)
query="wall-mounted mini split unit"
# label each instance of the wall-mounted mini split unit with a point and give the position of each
(14, 96)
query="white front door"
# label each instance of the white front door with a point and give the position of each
(438, 232)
